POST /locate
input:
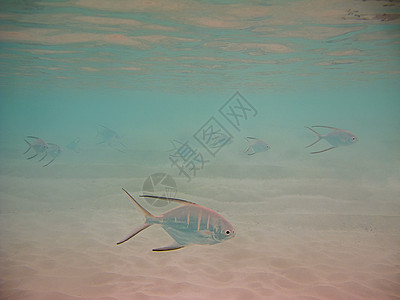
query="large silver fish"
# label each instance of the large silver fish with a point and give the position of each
(336, 137)
(187, 224)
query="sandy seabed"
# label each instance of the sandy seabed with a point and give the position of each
(296, 239)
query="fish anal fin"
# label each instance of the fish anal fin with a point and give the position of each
(49, 162)
(174, 246)
(322, 150)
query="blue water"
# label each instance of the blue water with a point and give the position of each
(155, 72)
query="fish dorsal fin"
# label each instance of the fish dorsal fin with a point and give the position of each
(329, 127)
(181, 201)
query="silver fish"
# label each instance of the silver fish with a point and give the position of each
(336, 137)
(256, 146)
(187, 224)
(54, 151)
(74, 145)
(38, 145)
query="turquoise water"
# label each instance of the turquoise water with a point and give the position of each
(158, 71)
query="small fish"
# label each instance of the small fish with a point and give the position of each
(336, 137)
(256, 146)
(73, 146)
(188, 224)
(38, 145)
(54, 151)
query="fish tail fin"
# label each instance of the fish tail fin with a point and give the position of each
(150, 219)
(318, 137)
(29, 144)
(146, 213)
(137, 230)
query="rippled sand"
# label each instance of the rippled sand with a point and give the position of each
(295, 240)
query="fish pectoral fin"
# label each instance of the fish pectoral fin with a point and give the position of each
(174, 246)
(141, 228)
(206, 233)
(322, 150)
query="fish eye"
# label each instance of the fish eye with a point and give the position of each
(354, 138)
(228, 232)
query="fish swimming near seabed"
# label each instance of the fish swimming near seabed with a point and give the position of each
(255, 146)
(336, 137)
(38, 145)
(73, 145)
(54, 151)
(188, 224)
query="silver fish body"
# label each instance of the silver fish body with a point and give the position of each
(54, 151)
(340, 138)
(255, 146)
(194, 224)
(189, 224)
(336, 137)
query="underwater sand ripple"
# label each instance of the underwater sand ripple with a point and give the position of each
(67, 250)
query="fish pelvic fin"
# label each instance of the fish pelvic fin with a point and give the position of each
(145, 212)
(174, 246)
(319, 136)
(48, 163)
(139, 229)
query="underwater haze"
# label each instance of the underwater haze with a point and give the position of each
(213, 102)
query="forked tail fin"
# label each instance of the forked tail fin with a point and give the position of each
(149, 219)
(29, 144)
(318, 137)
(141, 228)
(145, 212)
